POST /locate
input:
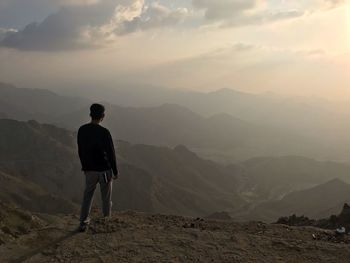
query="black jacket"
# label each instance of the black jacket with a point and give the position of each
(96, 149)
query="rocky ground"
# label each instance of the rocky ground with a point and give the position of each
(138, 237)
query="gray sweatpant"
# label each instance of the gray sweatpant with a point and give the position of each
(91, 181)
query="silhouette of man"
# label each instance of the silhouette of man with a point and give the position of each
(98, 161)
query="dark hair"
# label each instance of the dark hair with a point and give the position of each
(97, 111)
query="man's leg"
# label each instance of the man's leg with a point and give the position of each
(106, 192)
(91, 180)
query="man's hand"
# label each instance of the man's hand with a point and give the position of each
(115, 175)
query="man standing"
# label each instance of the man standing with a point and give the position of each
(97, 156)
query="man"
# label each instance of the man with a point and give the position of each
(97, 156)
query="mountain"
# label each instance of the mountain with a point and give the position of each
(41, 154)
(38, 104)
(307, 202)
(317, 202)
(281, 111)
(182, 181)
(271, 178)
(153, 179)
(30, 196)
(320, 119)
(220, 137)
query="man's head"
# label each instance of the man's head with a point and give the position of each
(97, 112)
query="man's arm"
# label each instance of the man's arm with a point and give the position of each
(110, 151)
(79, 145)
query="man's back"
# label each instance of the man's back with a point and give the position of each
(96, 150)
(97, 156)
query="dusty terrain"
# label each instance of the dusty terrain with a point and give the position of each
(138, 237)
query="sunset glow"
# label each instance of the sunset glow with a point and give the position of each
(196, 44)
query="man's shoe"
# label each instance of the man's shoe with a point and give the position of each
(83, 228)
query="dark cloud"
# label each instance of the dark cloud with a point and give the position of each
(57, 31)
(62, 30)
(80, 26)
(18, 13)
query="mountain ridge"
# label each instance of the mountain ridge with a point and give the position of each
(157, 178)
(218, 137)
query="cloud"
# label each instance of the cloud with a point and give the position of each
(242, 12)
(68, 28)
(246, 65)
(255, 12)
(153, 16)
(19, 13)
(81, 24)
(59, 31)
(264, 17)
(88, 23)
(222, 9)
(5, 31)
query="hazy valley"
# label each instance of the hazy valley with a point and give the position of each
(172, 161)
(161, 151)
(221, 137)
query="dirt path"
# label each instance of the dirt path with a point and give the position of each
(54, 243)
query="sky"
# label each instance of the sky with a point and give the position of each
(282, 46)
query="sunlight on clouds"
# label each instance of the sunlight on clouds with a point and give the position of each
(128, 12)
(256, 45)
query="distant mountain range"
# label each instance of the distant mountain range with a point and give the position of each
(220, 137)
(42, 160)
(41, 171)
(38, 104)
(313, 117)
(320, 120)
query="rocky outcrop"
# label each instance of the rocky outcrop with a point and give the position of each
(333, 222)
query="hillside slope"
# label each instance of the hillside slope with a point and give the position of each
(316, 202)
(269, 178)
(30, 196)
(152, 179)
